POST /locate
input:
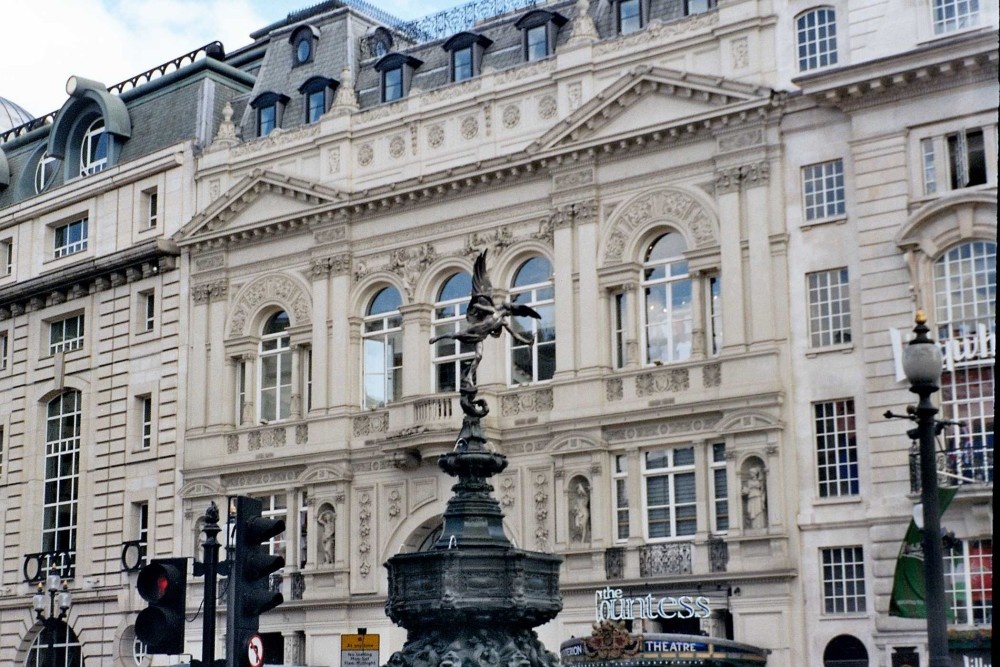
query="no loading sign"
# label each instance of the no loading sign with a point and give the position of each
(255, 651)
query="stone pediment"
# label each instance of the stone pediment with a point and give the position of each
(652, 98)
(259, 200)
(201, 488)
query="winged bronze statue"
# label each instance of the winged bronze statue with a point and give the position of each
(486, 318)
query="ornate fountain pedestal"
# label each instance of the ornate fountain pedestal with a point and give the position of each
(473, 599)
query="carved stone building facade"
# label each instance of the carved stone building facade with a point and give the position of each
(671, 186)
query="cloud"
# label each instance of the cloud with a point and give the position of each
(47, 41)
(108, 41)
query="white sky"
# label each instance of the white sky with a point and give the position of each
(46, 41)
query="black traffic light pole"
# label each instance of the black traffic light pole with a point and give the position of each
(251, 568)
(211, 545)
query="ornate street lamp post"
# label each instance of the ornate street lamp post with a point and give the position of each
(922, 365)
(56, 588)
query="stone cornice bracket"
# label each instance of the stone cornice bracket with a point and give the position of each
(345, 101)
(584, 30)
(320, 268)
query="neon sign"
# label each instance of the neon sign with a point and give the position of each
(614, 605)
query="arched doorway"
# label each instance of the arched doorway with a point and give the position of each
(845, 651)
(64, 643)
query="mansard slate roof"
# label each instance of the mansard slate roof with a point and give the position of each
(143, 117)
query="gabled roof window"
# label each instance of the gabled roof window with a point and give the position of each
(539, 29)
(396, 72)
(318, 93)
(269, 107)
(465, 55)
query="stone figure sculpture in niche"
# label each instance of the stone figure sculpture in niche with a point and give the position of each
(327, 521)
(580, 513)
(485, 318)
(754, 493)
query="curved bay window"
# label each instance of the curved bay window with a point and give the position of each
(532, 286)
(382, 360)
(451, 358)
(965, 281)
(667, 307)
(62, 471)
(275, 369)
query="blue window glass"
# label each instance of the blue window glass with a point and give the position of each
(629, 16)
(267, 118)
(315, 105)
(462, 64)
(392, 87)
(538, 42)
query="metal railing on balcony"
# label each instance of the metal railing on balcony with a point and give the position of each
(37, 565)
(718, 554)
(614, 563)
(667, 559)
(957, 466)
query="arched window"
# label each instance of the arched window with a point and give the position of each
(451, 358)
(816, 38)
(667, 311)
(62, 470)
(845, 651)
(275, 369)
(532, 286)
(44, 171)
(65, 645)
(965, 279)
(383, 349)
(94, 149)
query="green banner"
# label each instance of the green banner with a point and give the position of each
(908, 588)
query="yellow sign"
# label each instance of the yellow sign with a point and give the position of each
(359, 642)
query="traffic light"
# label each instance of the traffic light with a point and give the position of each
(163, 584)
(249, 594)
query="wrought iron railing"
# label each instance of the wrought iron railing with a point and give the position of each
(212, 49)
(665, 559)
(971, 464)
(274, 582)
(440, 24)
(614, 563)
(38, 565)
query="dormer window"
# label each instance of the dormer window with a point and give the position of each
(269, 108)
(539, 29)
(630, 15)
(45, 170)
(692, 7)
(465, 55)
(318, 94)
(396, 71)
(94, 149)
(303, 40)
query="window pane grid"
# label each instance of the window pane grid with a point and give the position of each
(817, 39)
(823, 190)
(836, 449)
(668, 314)
(965, 298)
(382, 350)
(968, 573)
(670, 493)
(829, 308)
(62, 467)
(533, 287)
(66, 335)
(621, 498)
(952, 15)
(930, 168)
(720, 488)
(843, 580)
(70, 238)
(147, 422)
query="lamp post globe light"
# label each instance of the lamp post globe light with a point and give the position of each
(922, 365)
(59, 595)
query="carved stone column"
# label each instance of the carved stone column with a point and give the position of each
(562, 269)
(698, 306)
(416, 351)
(755, 180)
(294, 648)
(249, 412)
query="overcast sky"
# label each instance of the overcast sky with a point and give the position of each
(44, 42)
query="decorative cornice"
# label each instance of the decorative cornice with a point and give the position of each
(89, 276)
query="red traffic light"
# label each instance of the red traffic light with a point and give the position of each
(160, 581)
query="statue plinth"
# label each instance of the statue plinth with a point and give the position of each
(473, 598)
